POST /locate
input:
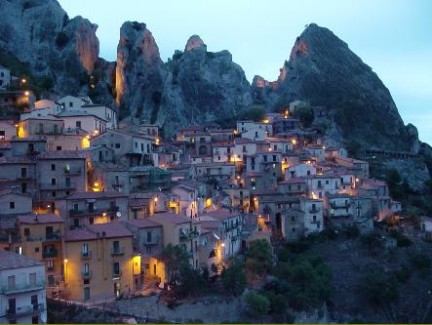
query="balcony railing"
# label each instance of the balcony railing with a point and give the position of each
(86, 275)
(86, 255)
(49, 253)
(110, 211)
(72, 171)
(57, 186)
(23, 287)
(314, 209)
(118, 251)
(344, 205)
(52, 236)
(25, 310)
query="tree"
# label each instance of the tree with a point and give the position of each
(309, 281)
(234, 277)
(379, 288)
(305, 114)
(257, 305)
(259, 257)
(255, 113)
(175, 259)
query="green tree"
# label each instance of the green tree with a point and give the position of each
(309, 281)
(176, 259)
(379, 288)
(259, 257)
(255, 113)
(305, 115)
(257, 305)
(234, 277)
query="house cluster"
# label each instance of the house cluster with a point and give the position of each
(96, 201)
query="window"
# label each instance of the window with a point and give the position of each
(50, 266)
(85, 250)
(11, 205)
(53, 194)
(86, 293)
(116, 268)
(2, 135)
(116, 246)
(149, 236)
(53, 181)
(70, 104)
(53, 167)
(75, 206)
(23, 187)
(58, 148)
(11, 281)
(78, 124)
(32, 279)
(26, 232)
(23, 172)
(117, 145)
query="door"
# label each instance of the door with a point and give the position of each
(86, 293)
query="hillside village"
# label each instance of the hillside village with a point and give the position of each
(96, 200)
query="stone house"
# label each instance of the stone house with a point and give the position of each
(23, 295)
(86, 208)
(100, 263)
(147, 241)
(59, 174)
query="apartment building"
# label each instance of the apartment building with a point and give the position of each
(22, 295)
(99, 263)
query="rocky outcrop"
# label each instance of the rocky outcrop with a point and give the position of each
(202, 87)
(40, 33)
(195, 86)
(324, 71)
(139, 75)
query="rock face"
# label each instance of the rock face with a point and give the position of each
(324, 71)
(194, 87)
(203, 87)
(139, 71)
(40, 33)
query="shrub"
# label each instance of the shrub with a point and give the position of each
(420, 261)
(61, 40)
(257, 305)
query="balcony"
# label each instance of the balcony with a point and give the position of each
(86, 275)
(117, 274)
(344, 205)
(53, 236)
(25, 310)
(118, 251)
(86, 255)
(314, 209)
(72, 171)
(57, 186)
(23, 287)
(49, 253)
(110, 211)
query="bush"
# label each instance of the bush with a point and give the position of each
(352, 231)
(380, 288)
(420, 261)
(257, 305)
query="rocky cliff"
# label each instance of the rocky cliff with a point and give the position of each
(195, 86)
(202, 87)
(40, 34)
(322, 70)
(139, 75)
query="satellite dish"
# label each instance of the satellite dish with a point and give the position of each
(118, 214)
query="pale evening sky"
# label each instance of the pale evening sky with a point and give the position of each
(392, 36)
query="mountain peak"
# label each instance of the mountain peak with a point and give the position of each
(195, 42)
